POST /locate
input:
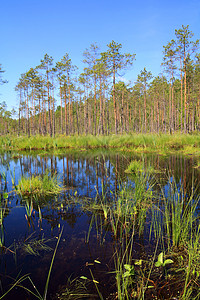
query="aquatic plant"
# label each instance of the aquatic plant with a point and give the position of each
(39, 185)
(176, 223)
(75, 289)
(169, 216)
(135, 166)
(26, 277)
(179, 214)
(33, 246)
(4, 210)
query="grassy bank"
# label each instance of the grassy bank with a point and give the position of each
(162, 144)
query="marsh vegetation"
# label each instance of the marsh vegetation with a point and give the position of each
(162, 144)
(126, 235)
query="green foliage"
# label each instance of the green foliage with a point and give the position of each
(130, 270)
(135, 166)
(179, 215)
(161, 262)
(161, 144)
(39, 185)
(139, 166)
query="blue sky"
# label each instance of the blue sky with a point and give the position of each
(31, 28)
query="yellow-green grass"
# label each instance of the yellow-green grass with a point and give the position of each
(136, 166)
(38, 185)
(152, 143)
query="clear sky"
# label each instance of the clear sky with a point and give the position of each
(31, 28)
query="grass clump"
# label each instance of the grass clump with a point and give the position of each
(135, 166)
(39, 185)
(139, 166)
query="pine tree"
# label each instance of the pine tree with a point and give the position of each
(186, 47)
(116, 61)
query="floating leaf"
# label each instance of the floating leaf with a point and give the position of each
(97, 261)
(83, 277)
(130, 271)
(161, 261)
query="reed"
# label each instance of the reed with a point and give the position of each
(176, 221)
(179, 214)
(174, 229)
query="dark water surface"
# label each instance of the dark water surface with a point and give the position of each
(86, 176)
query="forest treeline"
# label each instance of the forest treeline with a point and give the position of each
(54, 98)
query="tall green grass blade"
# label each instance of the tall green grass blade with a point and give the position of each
(51, 266)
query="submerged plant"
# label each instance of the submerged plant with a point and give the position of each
(34, 246)
(27, 277)
(74, 289)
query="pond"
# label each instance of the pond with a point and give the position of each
(93, 241)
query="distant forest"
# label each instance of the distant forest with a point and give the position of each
(53, 98)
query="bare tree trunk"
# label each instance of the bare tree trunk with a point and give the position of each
(49, 106)
(185, 96)
(65, 99)
(114, 103)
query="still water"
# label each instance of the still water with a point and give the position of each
(85, 239)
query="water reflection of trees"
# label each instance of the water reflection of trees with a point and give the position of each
(87, 174)
(91, 175)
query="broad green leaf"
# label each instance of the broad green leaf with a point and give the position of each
(160, 257)
(158, 264)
